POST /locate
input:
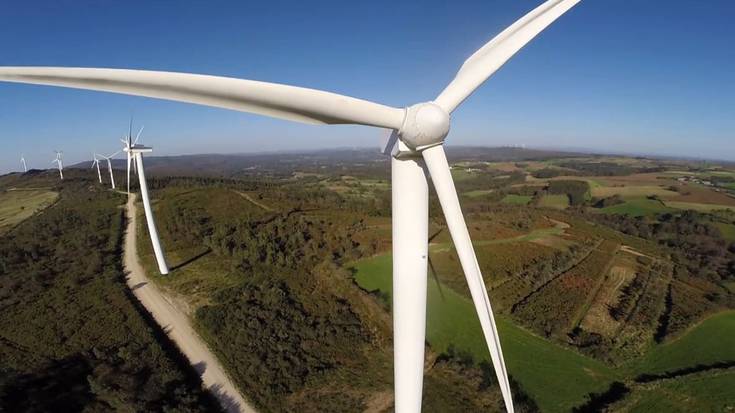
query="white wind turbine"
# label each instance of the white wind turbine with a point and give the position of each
(129, 143)
(96, 162)
(109, 167)
(135, 153)
(60, 163)
(23, 162)
(416, 147)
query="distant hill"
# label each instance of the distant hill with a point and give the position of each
(279, 163)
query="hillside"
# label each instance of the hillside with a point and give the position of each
(604, 271)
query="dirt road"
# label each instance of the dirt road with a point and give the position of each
(177, 326)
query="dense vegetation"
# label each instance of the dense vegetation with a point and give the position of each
(289, 324)
(71, 336)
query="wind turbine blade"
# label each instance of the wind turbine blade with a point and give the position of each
(138, 135)
(114, 154)
(270, 99)
(436, 163)
(491, 57)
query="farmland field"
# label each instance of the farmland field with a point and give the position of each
(699, 207)
(554, 201)
(697, 393)
(632, 191)
(18, 205)
(637, 208)
(517, 199)
(727, 230)
(710, 342)
(451, 320)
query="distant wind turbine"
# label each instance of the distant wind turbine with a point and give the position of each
(109, 167)
(96, 162)
(416, 149)
(60, 163)
(129, 143)
(135, 152)
(23, 162)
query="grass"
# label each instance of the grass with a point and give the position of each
(517, 199)
(19, 205)
(698, 207)
(727, 230)
(709, 393)
(478, 193)
(554, 201)
(711, 341)
(451, 320)
(632, 191)
(637, 208)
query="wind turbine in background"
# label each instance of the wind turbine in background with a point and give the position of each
(23, 162)
(129, 143)
(417, 153)
(96, 162)
(135, 152)
(109, 168)
(60, 163)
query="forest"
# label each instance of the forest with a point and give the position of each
(72, 337)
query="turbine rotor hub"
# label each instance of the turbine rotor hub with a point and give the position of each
(425, 125)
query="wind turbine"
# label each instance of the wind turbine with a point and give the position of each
(109, 167)
(129, 143)
(23, 162)
(96, 162)
(60, 163)
(135, 152)
(416, 149)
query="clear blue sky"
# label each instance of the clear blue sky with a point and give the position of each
(615, 75)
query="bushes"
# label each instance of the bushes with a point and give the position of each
(271, 344)
(71, 338)
(576, 190)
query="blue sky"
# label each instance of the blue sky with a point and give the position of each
(611, 75)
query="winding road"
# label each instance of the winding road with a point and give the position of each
(177, 326)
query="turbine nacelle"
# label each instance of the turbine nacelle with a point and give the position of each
(425, 125)
(138, 149)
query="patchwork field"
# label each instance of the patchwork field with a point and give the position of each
(451, 321)
(20, 204)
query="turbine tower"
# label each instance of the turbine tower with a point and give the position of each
(60, 163)
(23, 162)
(135, 152)
(96, 162)
(416, 146)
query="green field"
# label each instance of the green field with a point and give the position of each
(727, 230)
(478, 193)
(706, 393)
(554, 201)
(711, 341)
(451, 320)
(517, 199)
(699, 207)
(18, 205)
(632, 191)
(637, 208)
